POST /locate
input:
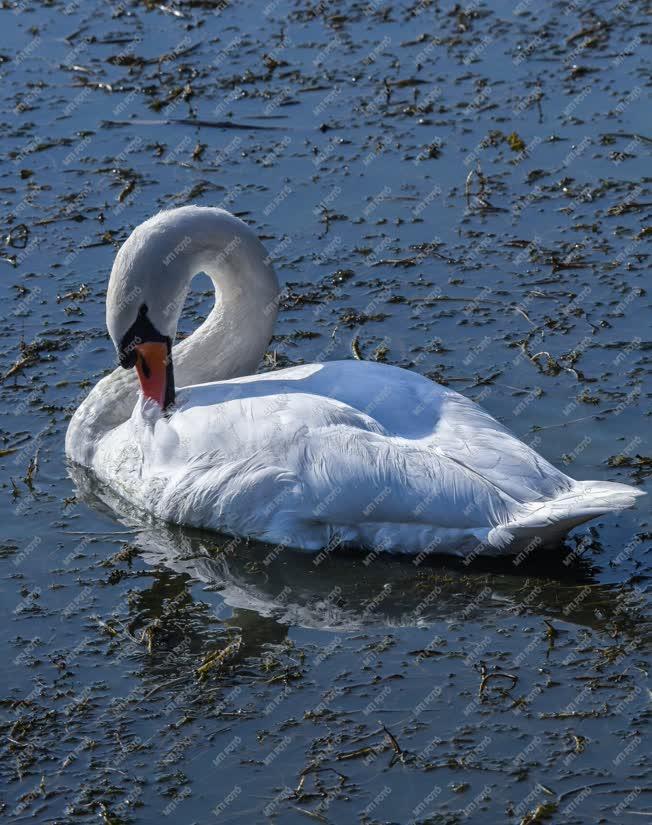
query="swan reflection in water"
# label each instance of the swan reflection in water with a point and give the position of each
(345, 590)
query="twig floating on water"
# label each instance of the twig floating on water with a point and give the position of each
(32, 469)
(496, 674)
(188, 121)
(357, 753)
(312, 814)
(392, 739)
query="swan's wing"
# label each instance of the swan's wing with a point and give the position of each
(361, 443)
(468, 435)
(408, 405)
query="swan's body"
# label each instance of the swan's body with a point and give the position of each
(310, 456)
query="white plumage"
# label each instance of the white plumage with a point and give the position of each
(345, 451)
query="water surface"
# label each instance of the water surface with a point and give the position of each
(462, 190)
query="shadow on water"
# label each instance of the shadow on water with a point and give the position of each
(349, 590)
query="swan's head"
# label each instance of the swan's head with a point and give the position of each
(143, 303)
(150, 280)
(147, 349)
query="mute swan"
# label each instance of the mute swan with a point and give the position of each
(312, 456)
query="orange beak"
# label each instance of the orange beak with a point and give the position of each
(152, 369)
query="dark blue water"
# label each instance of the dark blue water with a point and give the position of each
(460, 190)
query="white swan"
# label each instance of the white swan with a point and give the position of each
(312, 456)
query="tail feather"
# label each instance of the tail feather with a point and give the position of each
(548, 521)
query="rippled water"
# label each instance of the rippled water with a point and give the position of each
(460, 190)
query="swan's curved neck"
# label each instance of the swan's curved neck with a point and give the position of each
(182, 243)
(155, 267)
(233, 338)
